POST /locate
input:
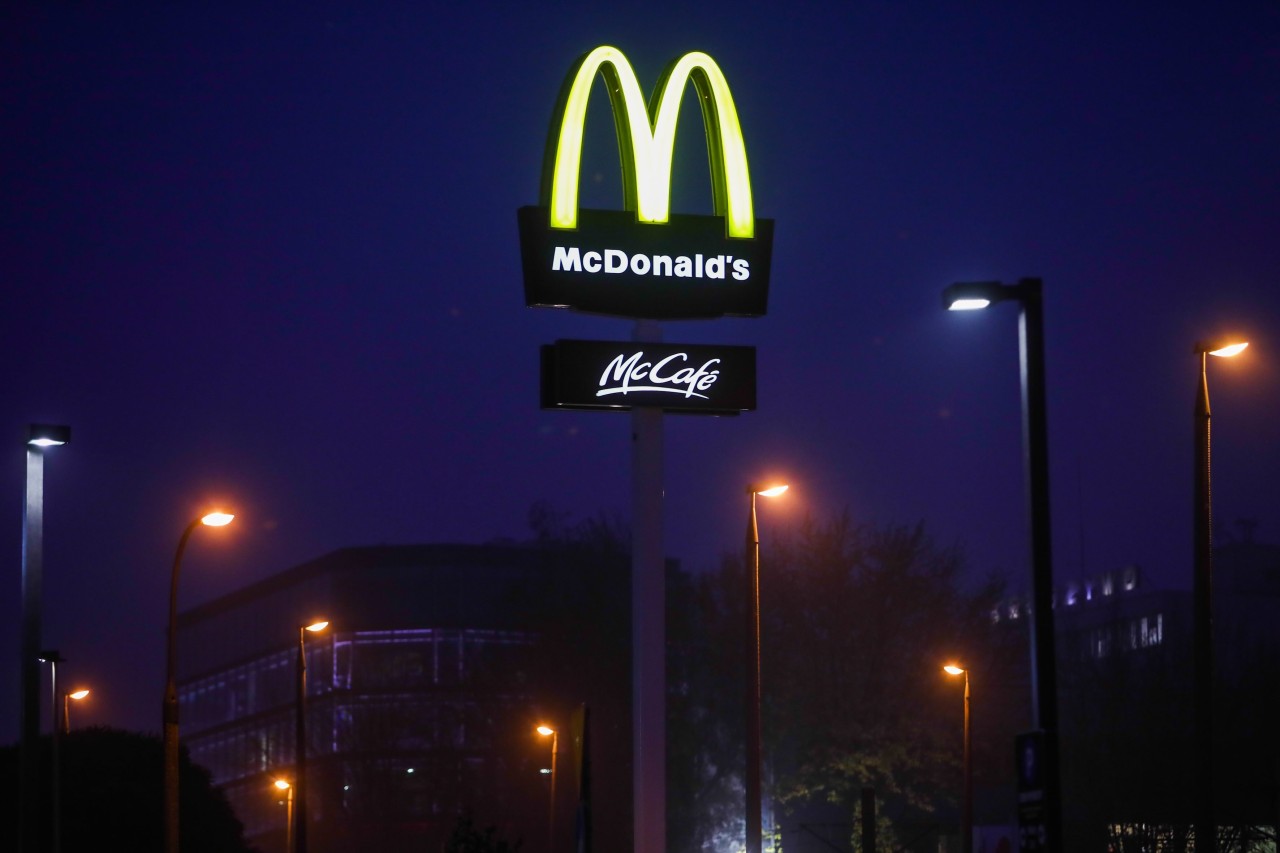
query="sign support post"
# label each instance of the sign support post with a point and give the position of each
(648, 623)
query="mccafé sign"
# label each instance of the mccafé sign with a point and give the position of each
(715, 380)
(645, 261)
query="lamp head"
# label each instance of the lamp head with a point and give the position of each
(546, 731)
(78, 694)
(973, 295)
(282, 784)
(768, 491)
(953, 669)
(1221, 347)
(217, 519)
(318, 625)
(48, 435)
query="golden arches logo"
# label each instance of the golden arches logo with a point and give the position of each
(647, 134)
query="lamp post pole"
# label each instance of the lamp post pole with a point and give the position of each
(1035, 436)
(754, 816)
(170, 707)
(752, 662)
(968, 771)
(554, 734)
(39, 436)
(966, 809)
(300, 747)
(53, 658)
(1202, 594)
(282, 785)
(300, 740)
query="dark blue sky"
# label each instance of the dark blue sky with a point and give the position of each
(268, 256)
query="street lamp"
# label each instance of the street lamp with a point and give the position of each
(752, 777)
(548, 731)
(300, 737)
(170, 708)
(1035, 436)
(966, 809)
(1202, 585)
(39, 437)
(66, 707)
(283, 785)
(53, 658)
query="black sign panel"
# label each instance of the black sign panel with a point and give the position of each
(1032, 831)
(701, 379)
(683, 269)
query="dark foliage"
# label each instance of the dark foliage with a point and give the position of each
(112, 782)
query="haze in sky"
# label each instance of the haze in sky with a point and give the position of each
(267, 257)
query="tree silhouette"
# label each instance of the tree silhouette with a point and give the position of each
(111, 783)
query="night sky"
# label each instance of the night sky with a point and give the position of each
(265, 256)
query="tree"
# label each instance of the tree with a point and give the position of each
(111, 784)
(856, 623)
(467, 839)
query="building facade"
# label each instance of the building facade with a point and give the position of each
(421, 695)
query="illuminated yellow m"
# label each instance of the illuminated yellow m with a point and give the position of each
(651, 132)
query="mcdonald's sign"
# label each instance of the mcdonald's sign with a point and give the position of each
(645, 261)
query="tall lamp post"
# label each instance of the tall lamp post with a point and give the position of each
(548, 731)
(300, 738)
(1035, 436)
(170, 709)
(752, 776)
(966, 808)
(39, 437)
(1206, 826)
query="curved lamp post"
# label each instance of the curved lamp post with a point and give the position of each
(752, 780)
(966, 810)
(967, 296)
(170, 709)
(299, 794)
(548, 731)
(39, 438)
(1202, 586)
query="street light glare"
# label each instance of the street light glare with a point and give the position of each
(318, 626)
(217, 519)
(79, 694)
(48, 435)
(1230, 350)
(772, 491)
(952, 669)
(968, 304)
(546, 731)
(282, 785)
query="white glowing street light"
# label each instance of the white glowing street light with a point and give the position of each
(40, 437)
(1202, 595)
(754, 817)
(1027, 292)
(170, 707)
